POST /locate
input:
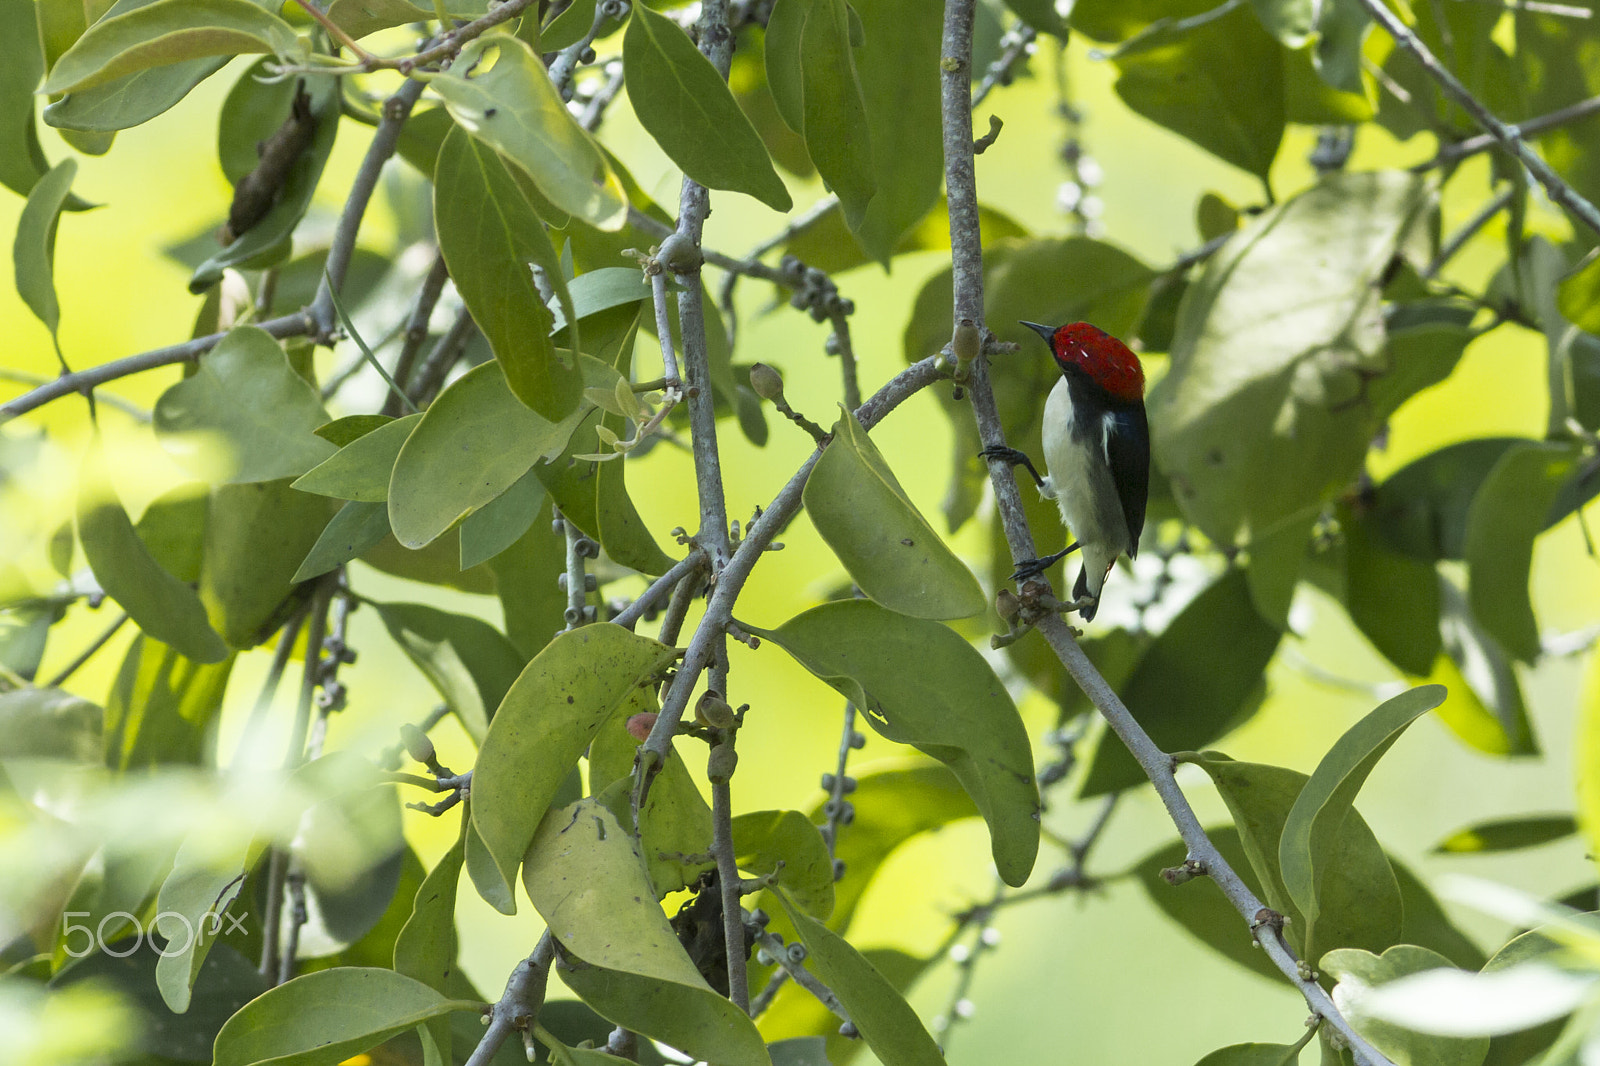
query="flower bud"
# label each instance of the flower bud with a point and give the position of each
(767, 382)
(639, 725)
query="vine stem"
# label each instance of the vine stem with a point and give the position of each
(966, 254)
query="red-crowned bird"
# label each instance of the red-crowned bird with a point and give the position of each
(1096, 450)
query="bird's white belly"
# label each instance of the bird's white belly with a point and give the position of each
(1080, 481)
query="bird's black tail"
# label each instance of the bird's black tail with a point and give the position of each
(1079, 591)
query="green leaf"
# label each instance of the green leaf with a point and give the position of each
(836, 129)
(515, 109)
(173, 527)
(899, 70)
(1252, 1055)
(171, 31)
(256, 107)
(162, 707)
(1040, 14)
(1359, 894)
(567, 28)
(489, 234)
(22, 160)
(686, 106)
(257, 537)
(425, 949)
(675, 824)
(600, 290)
(474, 442)
(1194, 683)
(1307, 848)
(160, 604)
(525, 582)
(361, 17)
(889, 549)
(1342, 27)
(498, 524)
(1485, 708)
(1290, 21)
(1262, 420)
(782, 55)
(1508, 512)
(1578, 298)
(1392, 599)
(360, 470)
(323, 1018)
(1507, 834)
(1421, 509)
(543, 725)
(132, 99)
(33, 252)
(886, 1021)
(48, 723)
(587, 880)
(190, 906)
(1219, 85)
(350, 428)
(919, 683)
(469, 662)
(244, 415)
(763, 839)
(1402, 1045)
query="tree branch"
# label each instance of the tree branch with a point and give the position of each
(295, 325)
(1509, 136)
(396, 110)
(966, 255)
(1452, 153)
(519, 1005)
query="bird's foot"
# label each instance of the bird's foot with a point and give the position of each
(1032, 568)
(1013, 456)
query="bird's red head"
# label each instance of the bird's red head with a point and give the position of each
(1107, 361)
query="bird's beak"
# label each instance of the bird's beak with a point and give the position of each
(1047, 332)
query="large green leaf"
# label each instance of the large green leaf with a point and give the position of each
(586, 878)
(22, 160)
(1421, 509)
(162, 707)
(675, 822)
(533, 604)
(361, 17)
(764, 839)
(425, 948)
(1485, 708)
(34, 249)
(515, 109)
(244, 414)
(48, 723)
(1365, 969)
(1359, 895)
(919, 683)
(837, 131)
(543, 725)
(1507, 514)
(1253, 1055)
(257, 536)
(1194, 683)
(489, 235)
(890, 550)
(474, 442)
(881, 1014)
(171, 31)
(361, 470)
(466, 659)
(1392, 598)
(686, 106)
(1263, 418)
(161, 605)
(498, 524)
(1309, 845)
(324, 1018)
(190, 909)
(899, 72)
(1219, 84)
(1507, 834)
(132, 99)
(256, 108)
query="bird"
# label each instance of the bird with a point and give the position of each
(1096, 442)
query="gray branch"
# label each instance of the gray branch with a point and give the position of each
(519, 1006)
(1509, 136)
(966, 253)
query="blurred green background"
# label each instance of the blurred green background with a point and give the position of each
(1100, 977)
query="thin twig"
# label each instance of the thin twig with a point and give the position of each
(575, 579)
(518, 1008)
(839, 784)
(793, 968)
(722, 755)
(1557, 188)
(416, 328)
(1018, 43)
(1460, 237)
(595, 109)
(385, 139)
(87, 653)
(446, 352)
(629, 616)
(1452, 153)
(669, 356)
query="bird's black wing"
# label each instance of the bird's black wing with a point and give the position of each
(1127, 447)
